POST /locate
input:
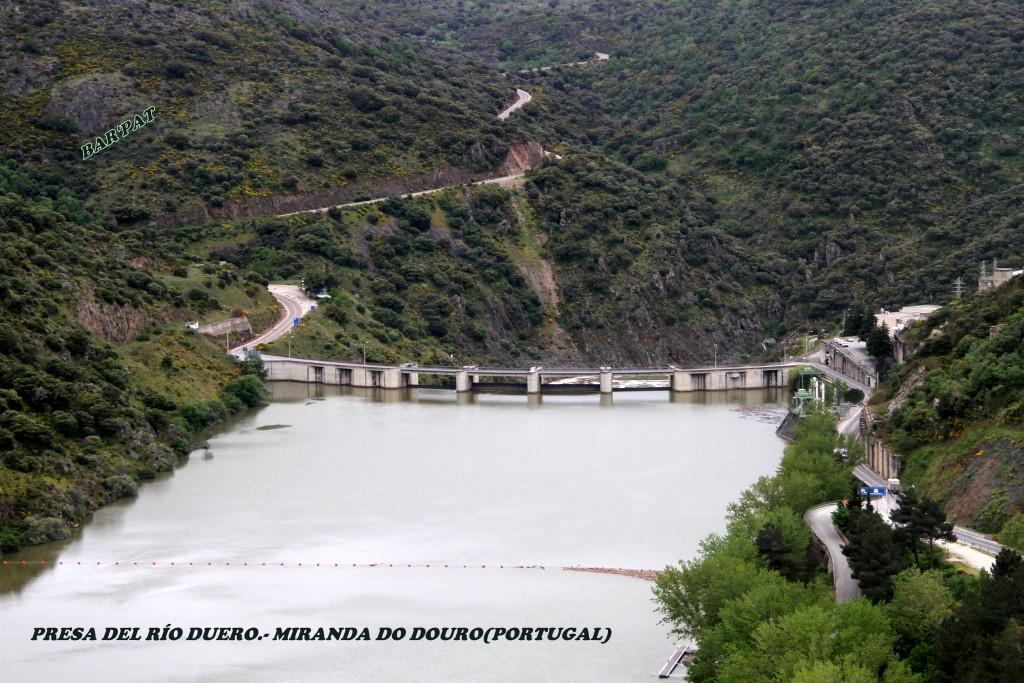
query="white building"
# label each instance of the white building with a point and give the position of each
(901, 319)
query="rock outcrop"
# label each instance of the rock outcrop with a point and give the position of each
(521, 158)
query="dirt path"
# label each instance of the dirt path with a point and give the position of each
(601, 57)
(505, 181)
(969, 556)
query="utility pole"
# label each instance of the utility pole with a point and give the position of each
(958, 287)
(984, 268)
(716, 355)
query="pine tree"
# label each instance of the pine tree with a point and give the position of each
(879, 344)
(983, 640)
(875, 556)
(933, 521)
(905, 518)
(856, 322)
(772, 546)
(920, 519)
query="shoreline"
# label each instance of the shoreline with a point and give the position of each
(645, 574)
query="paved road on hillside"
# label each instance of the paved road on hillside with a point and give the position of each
(820, 519)
(295, 304)
(967, 537)
(524, 97)
(824, 529)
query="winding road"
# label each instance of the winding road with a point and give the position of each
(523, 98)
(820, 519)
(295, 304)
(966, 538)
(969, 542)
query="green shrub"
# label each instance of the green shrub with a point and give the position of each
(6, 440)
(156, 419)
(248, 389)
(337, 314)
(158, 402)
(1013, 532)
(649, 161)
(44, 530)
(59, 123)
(64, 423)
(197, 413)
(121, 486)
(78, 342)
(28, 429)
(253, 366)
(181, 446)
(231, 403)
(10, 541)
(853, 395)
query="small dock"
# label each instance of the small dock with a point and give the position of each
(684, 653)
(785, 428)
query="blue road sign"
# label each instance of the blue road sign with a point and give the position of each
(313, 307)
(873, 491)
(295, 322)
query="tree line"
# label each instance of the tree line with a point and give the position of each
(760, 606)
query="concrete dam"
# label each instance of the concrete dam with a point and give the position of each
(532, 379)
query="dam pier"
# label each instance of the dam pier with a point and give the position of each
(532, 380)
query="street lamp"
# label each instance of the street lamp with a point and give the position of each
(364, 353)
(716, 355)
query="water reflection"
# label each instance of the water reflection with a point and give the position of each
(294, 392)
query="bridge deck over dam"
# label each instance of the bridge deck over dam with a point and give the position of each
(532, 379)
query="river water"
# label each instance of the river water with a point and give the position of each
(264, 526)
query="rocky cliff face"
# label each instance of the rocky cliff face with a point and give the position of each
(111, 322)
(521, 158)
(96, 102)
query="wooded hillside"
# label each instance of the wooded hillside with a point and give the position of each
(733, 175)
